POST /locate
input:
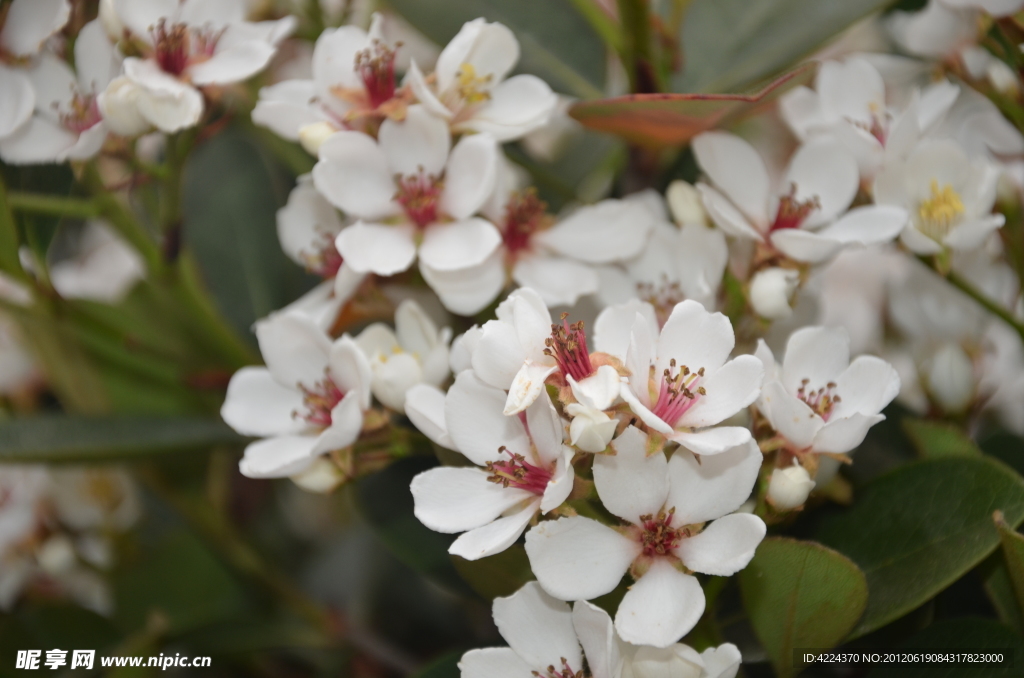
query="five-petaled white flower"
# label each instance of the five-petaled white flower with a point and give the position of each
(818, 400)
(309, 399)
(805, 218)
(667, 505)
(469, 89)
(528, 470)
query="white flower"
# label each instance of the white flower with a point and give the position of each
(307, 227)
(770, 292)
(789, 487)
(105, 267)
(545, 639)
(807, 220)
(680, 384)
(938, 31)
(98, 498)
(307, 401)
(590, 429)
(23, 30)
(411, 194)
(415, 352)
(119, 106)
(66, 123)
(685, 203)
(528, 470)
(667, 504)
(189, 44)
(950, 379)
(522, 348)
(948, 196)
(469, 89)
(557, 258)
(353, 77)
(24, 489)
(818, 400)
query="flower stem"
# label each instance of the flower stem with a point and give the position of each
(54, 205)
(993, 307)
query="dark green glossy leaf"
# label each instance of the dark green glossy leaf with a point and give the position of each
(999, 590)
(74, 438)
(557, 44)
(231, 192)
(918, 529)
(801, 595)
(974, 635)
(1013, 555)
(939, 439)
(445, 666)
(730, 44)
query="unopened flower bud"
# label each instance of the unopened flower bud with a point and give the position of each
(590, 430)
(322, 477)
(119, 105)
(770, 291)
(951, 378)
(1002, 77)
(789, 487)
(57, 555)
(675, 661)
(110, 21)
(685, 203)
(313, 135)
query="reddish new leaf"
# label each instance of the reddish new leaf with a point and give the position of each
(673, 119)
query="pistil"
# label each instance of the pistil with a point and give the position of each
(793, 212)
(376, 66)
(419, 195)
(821, 400)
(524, 216)
(319, 400)
(658, 537)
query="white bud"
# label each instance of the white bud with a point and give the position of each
(110, 21)
(675, 661)
(119, 104)
(393, 375)
(951, 378)
(313, 135)
(770, 291)
(685, 203)
(461, 355)
(789, 487)
(1002, 77)
(322, 477)
(590, 430)
(57, 555)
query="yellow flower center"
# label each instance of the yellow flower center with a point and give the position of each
(471, 87)
(938, 213)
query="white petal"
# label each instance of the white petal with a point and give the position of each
(638, 408)
(30, 22)
(516, 107)
(806, 246)
(558, 280)
(492, 52)
(38, 141)
(852, 90)
(545, 429)
(695, 338)
(286, 107)
(233, 64)
(538, 627)
(729, 389)
(823, 169)
(599, 390)
(972, 234)
(96, 61)
(54, 83)
(217, 13)
(353, 174)
(424, 405)
(458, 244)
(18, 101)
(819, 354)
(140, 17)
(713, 440)
(499, 355)
(867, 225)
(722, 661)
(167, 103)
(377, 248)
(494, 537)
(661, 607)
(277, 457)
(452, 499)
(346, 424)
(334, 58)
(350, 369)
(866, 386)
(714, 486)
(562, 549)
(416, 332)
(420, 142)
(615, 323)
(421, 89)
(494, 662)
(467, 291)
(306, 222)
(294, 348)
(597, 636)
(256, 404)
(728, 217)
(843, 435)
(527, 386)
(725, 546)
(611, 230)
(736, 169)
(630, 483)
(790, 416)
(470, 175)
(562, 480)
(476, 424)
(639, 356)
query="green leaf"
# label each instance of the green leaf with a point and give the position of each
(801, 595)
(445, 666)
(9, 262)
(919, 528)
(499, 575)
(1013, 553)
(976, 635)
(387, 505)
(556, 42)
(673, 119)
(731, 44)
(999, 590)
(939, 439)
(231, 192)
(78, 438)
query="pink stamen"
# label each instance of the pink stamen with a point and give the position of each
(680, 390)
(517, 472)
(822, 400)
(524, 216)
(419, 195)
(84, 113)
(793, 212)
(376, 66)
(326, 260)
(568, 346)
(178, 46)
(564, 672)
(319, 400)
(658, 537)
